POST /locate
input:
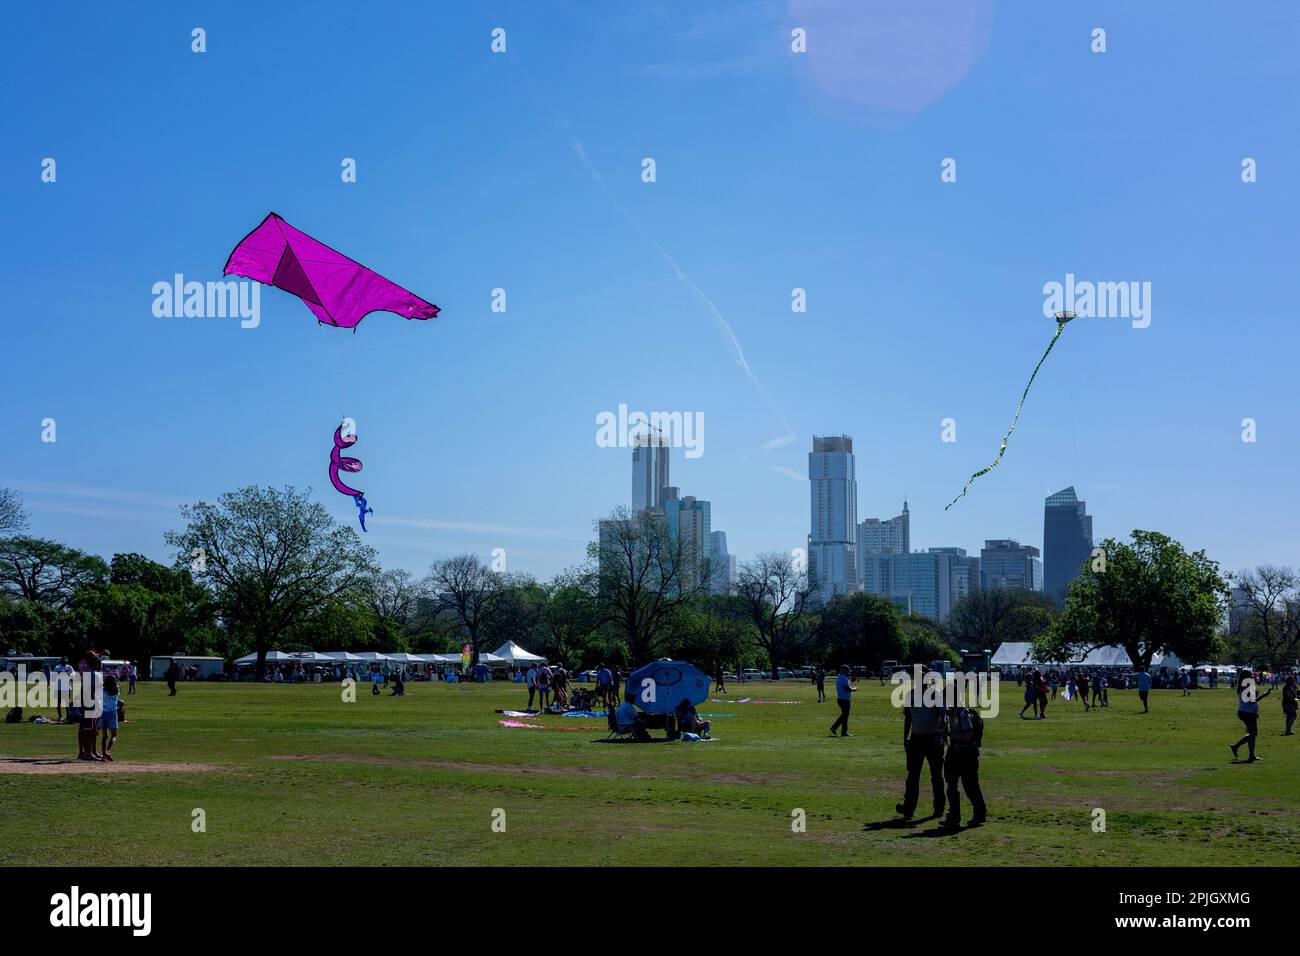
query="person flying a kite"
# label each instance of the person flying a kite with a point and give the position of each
(339, 291)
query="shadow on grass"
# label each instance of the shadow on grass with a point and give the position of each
(898, 823)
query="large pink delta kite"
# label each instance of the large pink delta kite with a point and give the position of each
(340, 291)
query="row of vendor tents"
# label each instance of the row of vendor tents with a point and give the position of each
(507, 655)
(1020, 654)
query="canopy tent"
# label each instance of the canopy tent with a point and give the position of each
(442, 658)
(343, 657)
(661, 685)
(1019, 654)
(313, 657)
(513, 653)
(373, 656)
(492, 660)
(404, 658)
(272, 657)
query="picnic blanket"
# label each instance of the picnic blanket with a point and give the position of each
(720, 700)
(777, 702)
(520, 723)
(585, 713)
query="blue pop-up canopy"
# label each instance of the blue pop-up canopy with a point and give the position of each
(673, 682)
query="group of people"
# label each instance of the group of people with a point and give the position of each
(98, 710)
(549, 686)
(687, 721)
(1040, 688)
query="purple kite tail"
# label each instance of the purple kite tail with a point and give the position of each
(339, 463)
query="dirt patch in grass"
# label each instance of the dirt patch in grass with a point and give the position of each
(47, 765)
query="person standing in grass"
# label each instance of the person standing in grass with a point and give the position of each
(108, 718)
(543, 687)
(1040, 690)
(1248, 713)
(923, 743)
(132, 673)
(1289, 704)
(1143, 681)
(844, 690)
(819, 678)
(63, 688)
(84, 704)
(532, 684)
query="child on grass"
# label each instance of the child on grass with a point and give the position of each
(108, 719)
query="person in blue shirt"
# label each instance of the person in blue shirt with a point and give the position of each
(844, 690)
(602, 684)
(1143, 681)
(629, 719)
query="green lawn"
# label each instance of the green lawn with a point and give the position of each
(291, 775)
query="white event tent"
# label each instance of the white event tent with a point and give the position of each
(512, 653)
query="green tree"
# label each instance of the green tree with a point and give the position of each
(568, 621)
(1150, 596)
(984, 619)
(645, 574)
(13, 517)
(35, 569)
(925, 643)
(862, 628)
(271, 559)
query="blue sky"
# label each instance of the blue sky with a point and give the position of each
(775, 170)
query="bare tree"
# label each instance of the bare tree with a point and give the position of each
(469, 591)
(645, 574)
(13, 519)
(393, 594)
(1269, 628)
(777, 595)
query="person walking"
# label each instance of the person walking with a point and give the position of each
(1289, 704)
(819, 678)
(844, 691)
(1031, 699)
(132, 673)
(1143, 681)
(172, 674)
(923, 743)
(1040, 691)
(720, 680)
(962, 766)
(1248, 713)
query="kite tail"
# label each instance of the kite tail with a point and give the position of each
(1060, 327)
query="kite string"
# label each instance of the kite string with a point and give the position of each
(1060, 327)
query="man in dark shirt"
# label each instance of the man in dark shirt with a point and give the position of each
(962, 765)
(923, 743)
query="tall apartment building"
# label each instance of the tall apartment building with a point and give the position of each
(832, 541)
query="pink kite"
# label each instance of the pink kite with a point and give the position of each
(338, 290)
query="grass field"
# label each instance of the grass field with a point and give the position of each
(288, 774)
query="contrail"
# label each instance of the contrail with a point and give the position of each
(690, 284)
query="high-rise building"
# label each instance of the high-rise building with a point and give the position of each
(963, 573)
(877, 537)
(649, 470)
(689, 521)
(1005, 563)
(1067, 541)
(723, 578)
(832, 543)
(922, 579)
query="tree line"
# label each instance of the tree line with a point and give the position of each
(266, 569)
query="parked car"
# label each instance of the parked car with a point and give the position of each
(803, 672)
(784, 673)
(750, 673)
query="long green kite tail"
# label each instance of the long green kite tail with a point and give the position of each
(1060, 327)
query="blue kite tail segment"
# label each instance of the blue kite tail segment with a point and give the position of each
(364, 510)
(1061, 319)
